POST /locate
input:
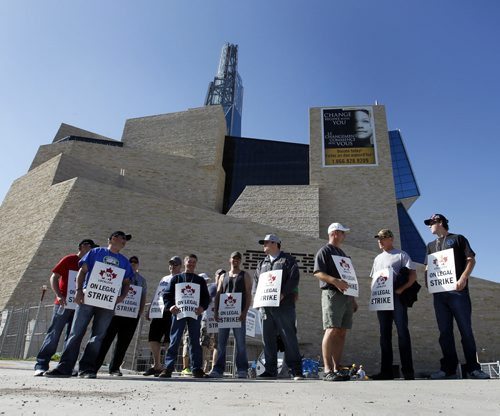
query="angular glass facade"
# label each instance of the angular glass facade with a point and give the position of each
(404, 180)
(262, 162)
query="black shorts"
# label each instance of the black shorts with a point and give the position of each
(159, 328)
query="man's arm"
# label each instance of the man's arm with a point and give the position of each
(54, 284)
(340, 284)
(80, 278)
(469, 266)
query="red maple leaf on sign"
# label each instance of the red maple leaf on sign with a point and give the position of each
(271, 278)
(132, 291)
(230, 301)
(108, 274)
(345, 265)
(381, 279)
(188, 290)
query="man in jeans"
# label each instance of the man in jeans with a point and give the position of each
(395, 259)
(84, 313)
(61, 315)
(454, 304)
(234, 281)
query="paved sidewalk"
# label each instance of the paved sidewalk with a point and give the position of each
(132, 394)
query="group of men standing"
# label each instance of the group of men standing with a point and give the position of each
(279, 272)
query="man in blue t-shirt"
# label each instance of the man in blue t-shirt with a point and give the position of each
(84, 312)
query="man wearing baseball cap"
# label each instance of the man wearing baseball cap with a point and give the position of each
(84, 313)
(61, 315)
(455, 304)
(337, 308)
(280, 320)
(398, 261)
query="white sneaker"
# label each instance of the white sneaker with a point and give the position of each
(39, 373)
(478, 375)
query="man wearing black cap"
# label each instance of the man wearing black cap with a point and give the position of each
(84, 313)
(395, 259)
(454, 304)
(61, 315)
(280, 320)
(159, 328)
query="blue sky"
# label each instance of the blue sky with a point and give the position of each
(434, 64)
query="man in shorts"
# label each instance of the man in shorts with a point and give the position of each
(337, 308)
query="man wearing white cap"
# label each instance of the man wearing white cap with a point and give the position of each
(337, 308)
(280, 320)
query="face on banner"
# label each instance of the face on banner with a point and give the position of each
(441, 274)
(348, 136)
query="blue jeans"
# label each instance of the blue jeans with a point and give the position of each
(281, 321)
(83, 315)
(449, 305)
(195, 354)
(400, 317)
(241, 349)
(49, 345)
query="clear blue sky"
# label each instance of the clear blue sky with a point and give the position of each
(434, 64)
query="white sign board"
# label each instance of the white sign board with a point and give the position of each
(253, 327)
(157, 305)
(382, 294)
(70, 295)
(187, 299)
(441, 274)
(346, 271)
(209, 316)
(129, 308)
(230, 310)
(268, 291)
(104, 285)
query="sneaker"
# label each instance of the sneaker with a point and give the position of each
(265, 375)
(342, 375)
(478, 375)
(214, 374)
(116, 373)
(441, 375)
(39, 373)
(242, 374)
(74, 373)
(198, 373)
(298, 376)
(87, 374)
(56, 373)
(329, 376)
(152, 372)
(165, 373)
(382, 376)
(186, 372)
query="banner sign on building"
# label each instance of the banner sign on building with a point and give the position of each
(130, 306)
(348, 136)
(441, 274)
(187, 299)
(382, 295)
(346, 271)
(104, 285)
(157, 305)
(268, 291)
(230, 310)
(70, 295)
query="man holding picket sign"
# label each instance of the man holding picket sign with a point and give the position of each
(233, 298)
(275, 282)
(450, 261)
(339, 287)
(186, 297)
(392, 273)
(102, 281)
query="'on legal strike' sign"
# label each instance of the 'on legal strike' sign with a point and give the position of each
(104, 285)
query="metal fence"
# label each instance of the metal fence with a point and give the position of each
(22, 331)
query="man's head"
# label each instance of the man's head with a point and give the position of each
(235, 259)
(118, 239)
(218, 274)
(437, 223)
(190, 263)
(336, 233)
(271, 244)
(175, 265)
(86, 245)
(385, 239)
(134, 262)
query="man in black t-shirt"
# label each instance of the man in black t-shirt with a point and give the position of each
(454, 304)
